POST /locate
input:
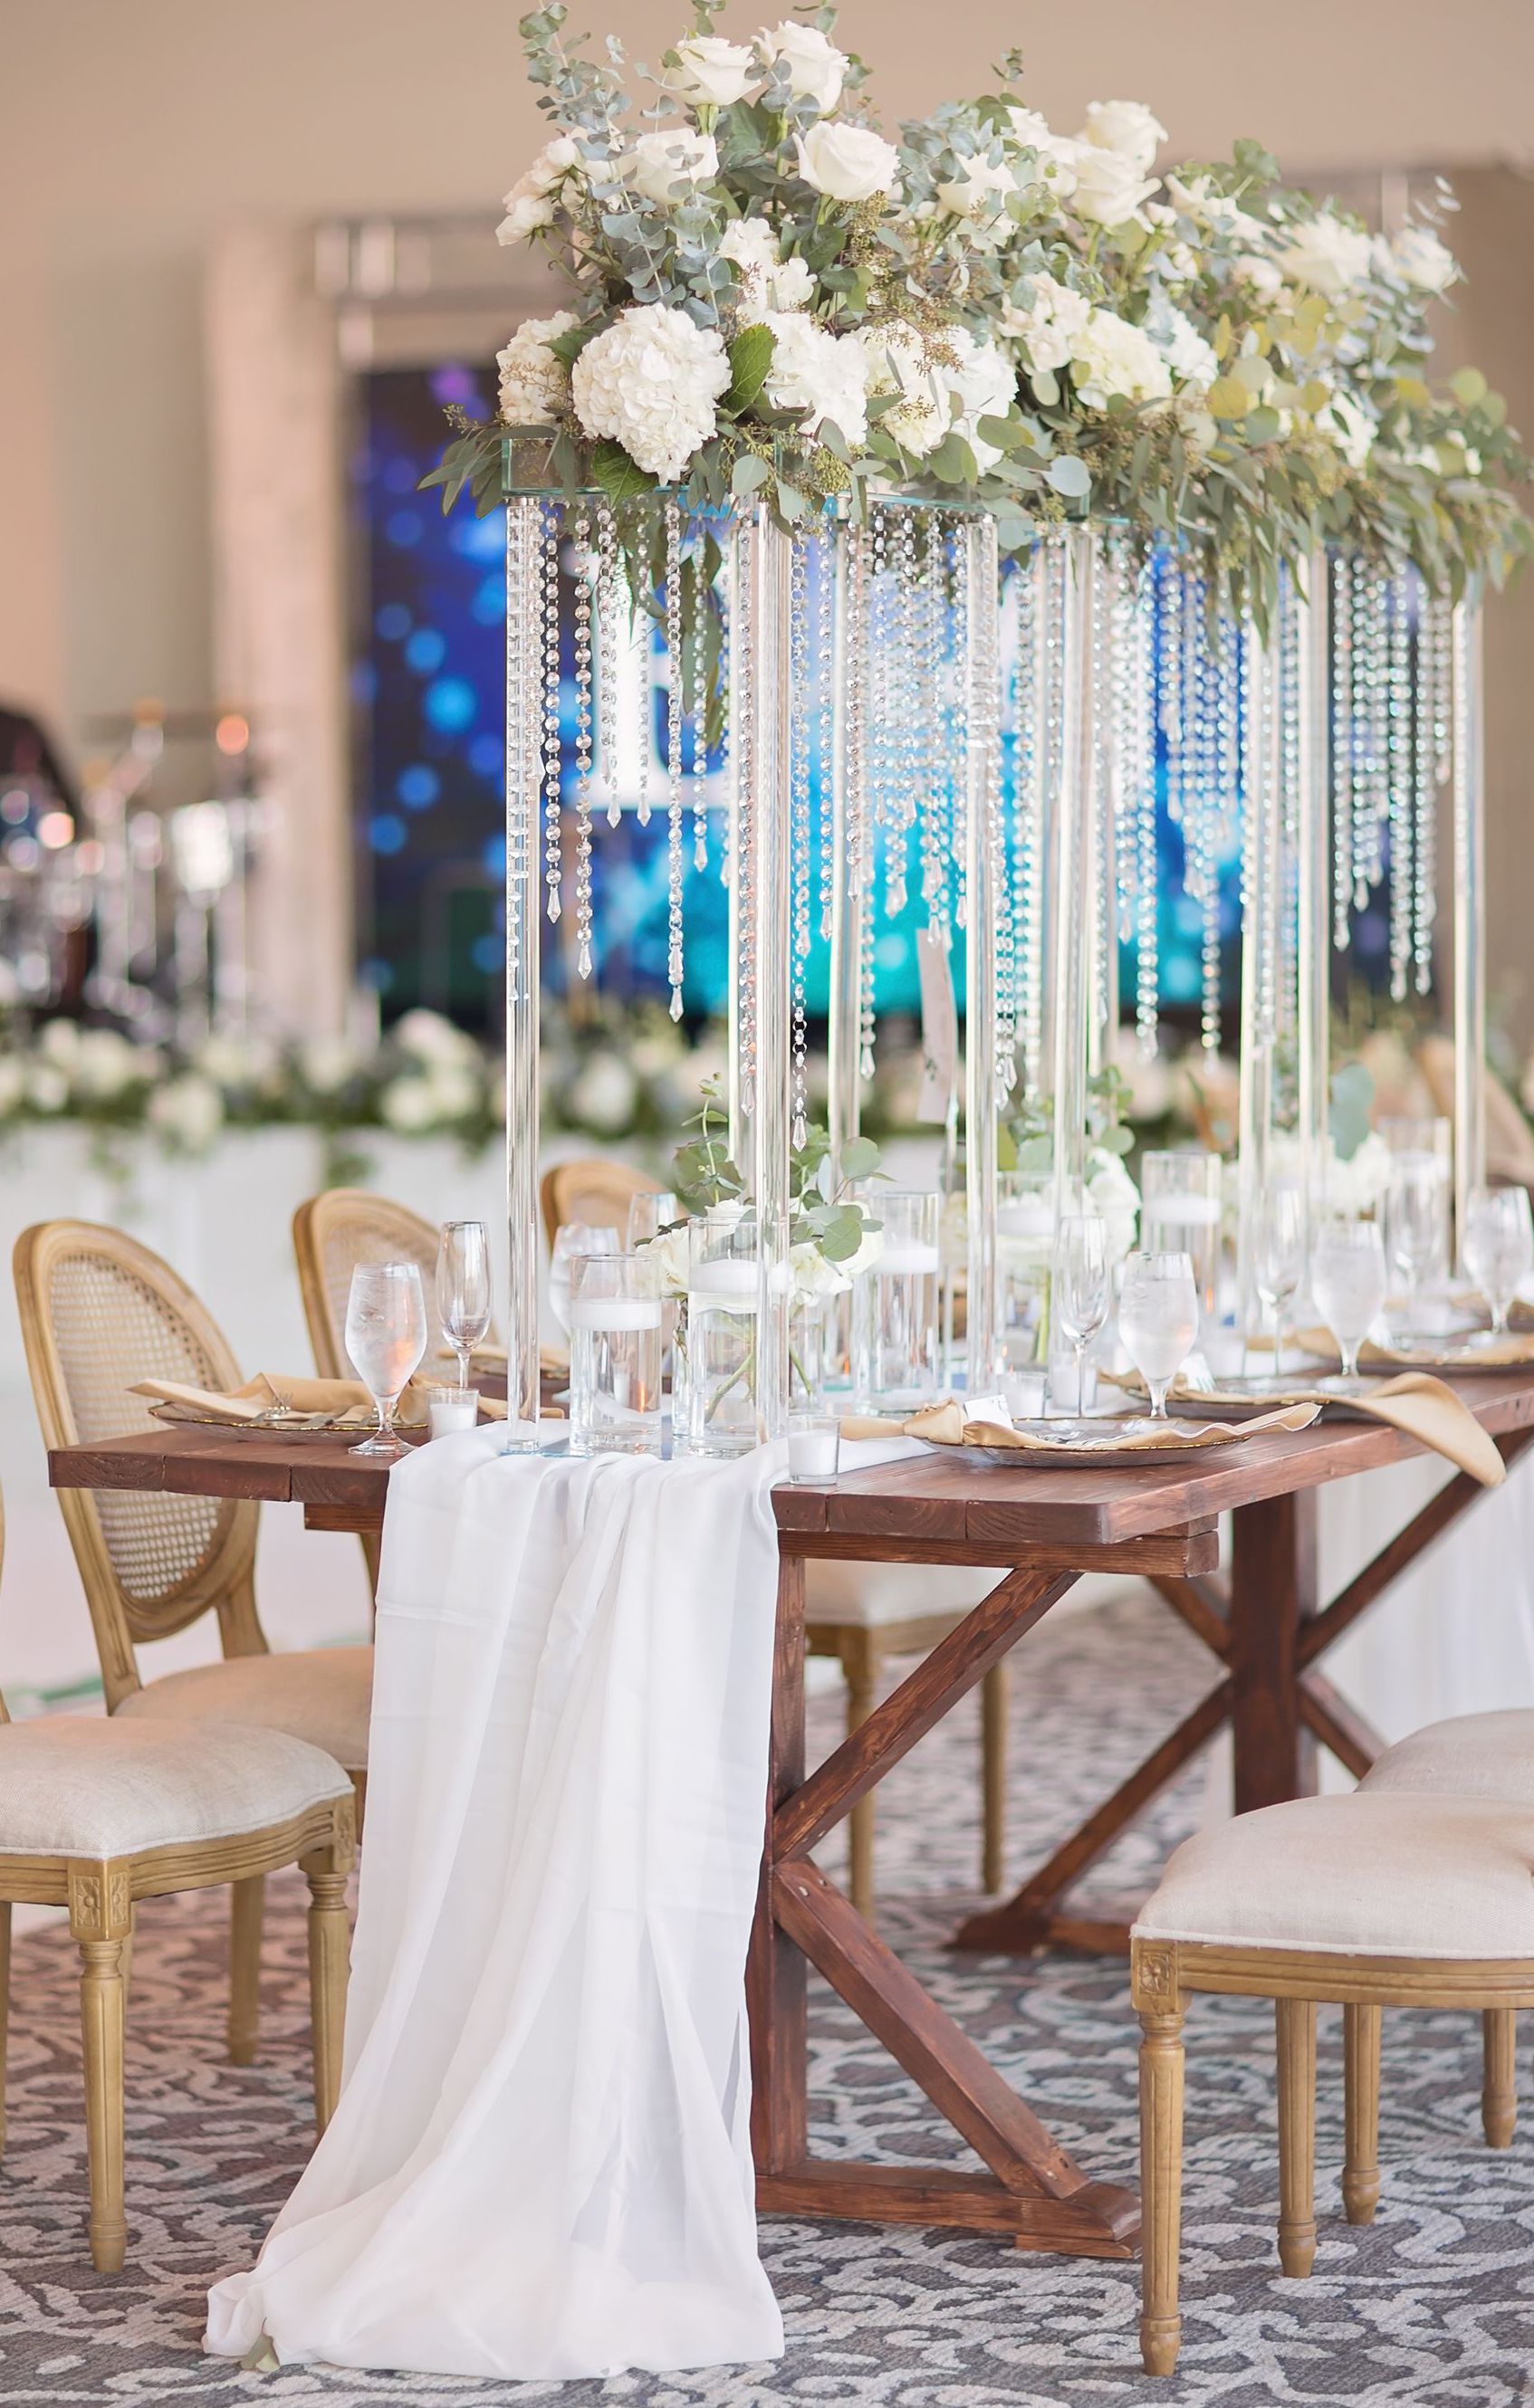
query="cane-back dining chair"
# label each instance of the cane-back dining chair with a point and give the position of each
(333, 1233)
(98, 1312)
(98, 1812)
(592, 1190)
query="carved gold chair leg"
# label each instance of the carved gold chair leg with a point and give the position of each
(100, 1919)
(329, 1963)
(1361, 2111)
(1296, 2021)
(1498, 2075)
(247, 1913)
(992, 1713)
(1161, 2183)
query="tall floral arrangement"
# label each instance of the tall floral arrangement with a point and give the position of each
(768, 297)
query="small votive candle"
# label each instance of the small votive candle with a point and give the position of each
(814, 1442)
(449, 1409)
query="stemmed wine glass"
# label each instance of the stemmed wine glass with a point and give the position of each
(1348, 1282)
(1498, 1245)
(649, 1214)
(1158, 1320)
(1414, 1219)
(1278, 1257)
(463, 1288)
(1080, 1286)
(386, 1338)
(574, 1237)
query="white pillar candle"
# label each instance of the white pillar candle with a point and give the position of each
(913, 1259)
(812, 1454)
(615, 1312)
(1182, 1211)
(459, 1410)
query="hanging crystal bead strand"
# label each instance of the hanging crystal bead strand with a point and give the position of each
(864, 792)
(582, 563)
(606, 658)
(902, 703)
(701, 608)
(740, 852)
(958, 616)
(930, 615)
(1428, 687)
(1344, 740)
(1028, 818)
(674, 683)
(553, 864)
(644, 684)
(1288, 702)
(802, 707)
(1398, 779)
(823, 564)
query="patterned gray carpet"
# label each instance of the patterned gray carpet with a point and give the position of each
(1434, 2305)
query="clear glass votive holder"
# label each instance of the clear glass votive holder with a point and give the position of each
(895, 1305)
(814, 1445)
(616, 1316)
(449, 1410)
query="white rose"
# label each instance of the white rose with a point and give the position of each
(602, 1096)
(107, 1065)
(1056, 152)
(1109, 187)
(815, 1277)
(1350, 427)
(898, 363)
(456, 1089)
(978, 188)
(674, 155)
(821, 375)
(1126, 127)
(530, 204)
(238, 1061)
(327, 1064)
(1360, 1184)
(60, 1043)
(767, 282)
(847, 162)
(650, 381)
(188, 1114)
(1190, 358)
(1047, 326)
(816, 68)
(710, 71)
(1419, 259)
(1327, 255)
(666, 1258)
(47, 1089)
(986, 384)
(431, 1038)
(1113, 1194)
(535, 385)
(1264, 278)
(409, 1105)
(1109, 356)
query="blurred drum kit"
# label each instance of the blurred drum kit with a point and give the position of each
(135, 907)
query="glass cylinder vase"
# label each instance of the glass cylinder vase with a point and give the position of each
(722, 1334)
(895, 1307)
(615, 1314)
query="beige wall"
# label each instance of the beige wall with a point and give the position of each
(130, 129)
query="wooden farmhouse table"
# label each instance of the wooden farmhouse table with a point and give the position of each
(1266, 1628)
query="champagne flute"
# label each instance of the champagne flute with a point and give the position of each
(1413, 1213)
(1348, 1281)
(649, 1214)
(1278, 1257)
(385, 1337)
(1080, 1286)
(1158, 1320)
(1498, 1248)
(463, 1288)
(573, 1238)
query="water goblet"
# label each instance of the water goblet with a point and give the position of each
(1158, 1320)
(463, 1288)
(385, 1337)
(1348, 1281)
(1497, 1244)
(1080, 1286)
(573, 1238)
(1279, 1256)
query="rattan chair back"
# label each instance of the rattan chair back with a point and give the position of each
(98, 1312)
(332, 1234)
(592, 1190)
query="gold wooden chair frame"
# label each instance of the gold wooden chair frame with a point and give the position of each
(1161, 1972)
(332, 1233)
(591, 1189)
(101, 1894)
(151, 1562)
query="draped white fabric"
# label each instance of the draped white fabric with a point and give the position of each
(541, 2163)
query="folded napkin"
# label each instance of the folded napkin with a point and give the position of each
(945, 1425)
(1415, 1403)
(1509, 1354)
(273, 1398)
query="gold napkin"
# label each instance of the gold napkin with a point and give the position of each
(944, 1426)
(271, 1396)
(1509, 1354)
(1413, 1402)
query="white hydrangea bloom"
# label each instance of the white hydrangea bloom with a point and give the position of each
(1126, 127)
(650, 381)
(1190, 358)
(1111, 356)
(816, 68)
(986, 384)
(1420, 259)
(1046, 326)
(898, 363)
(535, 384)
(1327, 255)
(821, 375)
(1262, 275)
(767, 282)
(673, 156)
(530, 202)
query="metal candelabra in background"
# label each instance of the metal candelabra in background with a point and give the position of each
(137, 908)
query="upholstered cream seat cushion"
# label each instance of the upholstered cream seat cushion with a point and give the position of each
(322, 1693)
(1472, 1755)
(1392, 1875)
(82, 1786)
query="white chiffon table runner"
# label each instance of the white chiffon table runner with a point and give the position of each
(540, 2163)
